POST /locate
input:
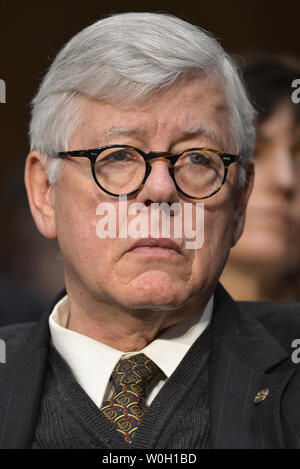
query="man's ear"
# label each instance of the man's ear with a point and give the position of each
(40, 194)
(241, 200)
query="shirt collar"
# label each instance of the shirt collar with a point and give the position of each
(92, 362)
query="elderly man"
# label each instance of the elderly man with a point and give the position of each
(145, 349)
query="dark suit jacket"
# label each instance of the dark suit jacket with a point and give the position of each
(251, 351)
(18, 304)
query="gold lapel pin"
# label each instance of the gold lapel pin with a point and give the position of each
(261, 396)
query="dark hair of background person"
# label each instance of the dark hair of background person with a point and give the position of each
(268, 80)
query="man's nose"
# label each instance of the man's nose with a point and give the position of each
(159, 186)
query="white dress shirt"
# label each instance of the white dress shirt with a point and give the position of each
(92, 362)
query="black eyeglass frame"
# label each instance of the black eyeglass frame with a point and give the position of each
(93, 154)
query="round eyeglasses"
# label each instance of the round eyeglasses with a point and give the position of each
(119, 170)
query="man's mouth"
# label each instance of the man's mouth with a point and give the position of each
(156, 247)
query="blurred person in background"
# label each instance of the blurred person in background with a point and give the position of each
(265, 263)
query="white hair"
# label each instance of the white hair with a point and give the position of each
(128, 57)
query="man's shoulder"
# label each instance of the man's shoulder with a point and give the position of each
(279, 309)
(34, 333)
(280, 318)
(252, 311)
(15, 335)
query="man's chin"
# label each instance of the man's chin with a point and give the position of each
(155, 288)
(154, 299)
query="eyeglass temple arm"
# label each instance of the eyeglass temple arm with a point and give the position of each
(228, 158)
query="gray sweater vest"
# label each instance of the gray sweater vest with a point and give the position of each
(178, 417)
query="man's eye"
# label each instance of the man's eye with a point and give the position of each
(197, 158)
(115, 158)
(118, 156)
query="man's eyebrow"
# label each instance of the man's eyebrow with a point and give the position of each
(203, 131)
(116, 131)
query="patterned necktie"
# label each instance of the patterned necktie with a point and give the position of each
(127, 406)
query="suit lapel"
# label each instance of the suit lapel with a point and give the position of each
(23, 380)
(245, 360)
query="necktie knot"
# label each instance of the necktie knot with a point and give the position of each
(133, 374)
(127, 406)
